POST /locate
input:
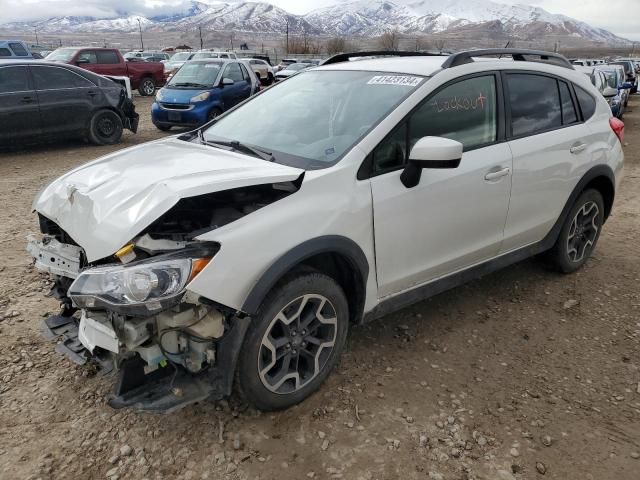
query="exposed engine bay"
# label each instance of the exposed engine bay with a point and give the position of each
(131, 313)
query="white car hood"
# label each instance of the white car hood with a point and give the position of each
(104, 204)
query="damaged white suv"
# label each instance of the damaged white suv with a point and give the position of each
(238, 254)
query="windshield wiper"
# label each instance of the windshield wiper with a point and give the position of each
(240, 147)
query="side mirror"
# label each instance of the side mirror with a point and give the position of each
(82, 61)
(227, 81)
(430, 152)
(609, 92)
(627, 85)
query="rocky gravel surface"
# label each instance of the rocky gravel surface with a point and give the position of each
(523, 374)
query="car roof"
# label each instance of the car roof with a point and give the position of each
(425, 66)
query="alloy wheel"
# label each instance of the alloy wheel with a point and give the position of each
(297, 344)
(583, 231)
(148, 87)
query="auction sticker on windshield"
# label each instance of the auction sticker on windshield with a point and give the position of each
(404, 80)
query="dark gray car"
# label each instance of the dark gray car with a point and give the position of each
(45, 100)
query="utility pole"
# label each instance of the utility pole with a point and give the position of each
(231, 41)
(287, 35)
(35, 29)
(140, 28)
(200, 29)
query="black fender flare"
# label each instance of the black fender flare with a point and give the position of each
(591, 174)
(325, 244)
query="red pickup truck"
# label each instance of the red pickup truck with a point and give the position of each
(145, 76)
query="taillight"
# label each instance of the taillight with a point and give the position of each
(617, 126)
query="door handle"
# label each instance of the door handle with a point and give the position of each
(91, 93)
(577, 147)
(26, 100)
(494, 175)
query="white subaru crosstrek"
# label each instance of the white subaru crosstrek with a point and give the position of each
(240, 253)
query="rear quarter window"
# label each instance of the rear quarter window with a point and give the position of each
(19, 49)
(587, 103)
(5, 52)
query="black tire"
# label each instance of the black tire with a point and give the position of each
(105, 128)
(163, 128)
(271, 79)
(215, 112)
(261, 370)
(577, 239)
(147, 87)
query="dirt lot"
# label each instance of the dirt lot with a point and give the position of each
(521, 374)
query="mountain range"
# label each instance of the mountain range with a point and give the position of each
(365, 18)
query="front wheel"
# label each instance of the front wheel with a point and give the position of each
(580, 232)
(105, 128)
(147, 87)
(293, 342)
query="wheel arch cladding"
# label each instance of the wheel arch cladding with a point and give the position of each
(336, 256)
(605, 186)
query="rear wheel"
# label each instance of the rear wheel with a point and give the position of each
(147, 87)
(105, 128)
(293, 342)
(271, 79)
(580, 232)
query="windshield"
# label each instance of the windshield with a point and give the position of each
(204, 55)
(612, 80)
(194, 74)
(320, 115)
(181, 57)
(297, 66)
(61, 54)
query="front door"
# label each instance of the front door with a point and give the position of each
(232, 94)
(454, 218)
(67, 100)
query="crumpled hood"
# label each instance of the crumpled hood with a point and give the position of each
(104, 204)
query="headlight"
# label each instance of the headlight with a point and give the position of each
(143, 287)
(201, 97)
(159, 95)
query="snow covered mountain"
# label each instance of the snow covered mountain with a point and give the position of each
(356, 17)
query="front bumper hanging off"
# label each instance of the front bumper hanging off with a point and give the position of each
(162, 391)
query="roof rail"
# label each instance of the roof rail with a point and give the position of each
(344, 57)
(517, 54)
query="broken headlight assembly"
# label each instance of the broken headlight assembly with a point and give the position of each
(141, 288)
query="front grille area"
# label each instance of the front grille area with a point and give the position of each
(176, 106)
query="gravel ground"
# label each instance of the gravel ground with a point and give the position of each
(522, 374)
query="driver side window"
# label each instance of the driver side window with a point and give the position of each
(465, 111)
(233, 72)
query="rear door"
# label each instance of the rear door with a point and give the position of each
(19, 114)
(67, 100)
(551, 146)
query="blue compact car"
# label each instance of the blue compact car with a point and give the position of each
(200, 91)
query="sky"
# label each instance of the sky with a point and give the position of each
(618, 16)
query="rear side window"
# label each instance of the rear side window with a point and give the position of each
(569, 114)
(108, 57)
(535, 104)
(19, 49)
(14, 79)
(54, 78)
(5, 52)
(88, 56)
(587, 103)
